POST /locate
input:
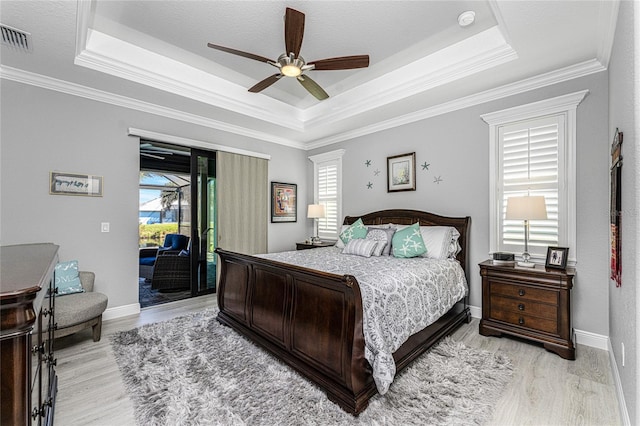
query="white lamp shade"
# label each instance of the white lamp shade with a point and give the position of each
(316, 211)
(526, 208)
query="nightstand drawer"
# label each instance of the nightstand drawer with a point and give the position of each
(526, 321)
(524, 292)
(521, 306)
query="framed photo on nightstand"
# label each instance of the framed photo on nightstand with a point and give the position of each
(557, 257)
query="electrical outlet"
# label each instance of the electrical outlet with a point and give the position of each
(104, 226)
(622, 343)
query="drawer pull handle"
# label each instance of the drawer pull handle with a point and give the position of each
(521, 321)
(521, 306)
(521, 292)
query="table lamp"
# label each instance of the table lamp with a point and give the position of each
(316, 212)
(526, 208)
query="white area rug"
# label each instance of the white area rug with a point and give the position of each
(192, 370)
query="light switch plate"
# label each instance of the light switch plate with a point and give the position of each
(104, 226)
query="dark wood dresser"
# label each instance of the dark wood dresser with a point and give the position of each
(532, 303)
(27, 376)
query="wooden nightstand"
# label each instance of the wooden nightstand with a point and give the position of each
(307, 246)
(532, 303)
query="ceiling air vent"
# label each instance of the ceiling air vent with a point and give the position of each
(16, 38)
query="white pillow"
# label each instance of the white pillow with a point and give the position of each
(360, 247)
(340, 243)
(441, 241)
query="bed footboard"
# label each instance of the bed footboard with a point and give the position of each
(311, 320)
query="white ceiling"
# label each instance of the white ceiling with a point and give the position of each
(153, 56)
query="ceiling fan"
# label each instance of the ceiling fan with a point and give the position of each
(291, 64)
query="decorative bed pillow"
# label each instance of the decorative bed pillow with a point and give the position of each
(360, 247)
(339, 243)
(67, 278)
(408, 242)
(355, 231)
(441, 241)
(383, 236)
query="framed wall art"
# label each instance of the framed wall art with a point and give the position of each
(284, 202)
(75, 184)
(401, 172)
(557, 257)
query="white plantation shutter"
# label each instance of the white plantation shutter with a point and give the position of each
(328, 195)
(328, 191)
(532, 151)
(530, 156)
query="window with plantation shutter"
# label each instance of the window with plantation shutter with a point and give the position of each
(533, 153)
(328, 191)
(529, 154)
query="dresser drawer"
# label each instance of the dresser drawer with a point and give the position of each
(527, 321)
(524, 306)
(524, 292)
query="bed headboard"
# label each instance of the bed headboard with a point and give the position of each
(409, 217)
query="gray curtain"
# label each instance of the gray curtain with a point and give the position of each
(242, 203)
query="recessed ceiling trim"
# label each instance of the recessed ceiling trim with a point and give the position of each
(568, 73)
(472, 55)
(607, 30)
(50, 83)
(116, 57)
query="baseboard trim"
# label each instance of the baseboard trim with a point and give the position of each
(476, 312)
(622, 405)
(593, 340)
(121, 311)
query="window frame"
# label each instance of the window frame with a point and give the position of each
(566, 106)
(332, 157)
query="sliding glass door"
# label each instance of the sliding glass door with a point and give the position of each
(203, 217)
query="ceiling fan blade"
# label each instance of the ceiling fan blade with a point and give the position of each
(341, 63)
(239, 53)
(313, 88)
(293, 31)
(261, 85)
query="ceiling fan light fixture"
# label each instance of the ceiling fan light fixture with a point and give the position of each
(290, 70)
(466, 18)
(290, 66)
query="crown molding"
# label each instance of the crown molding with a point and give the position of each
(50, 83)
(467, 57)
(607, 30)
(116, 57)
(564, 74)
(574, 71)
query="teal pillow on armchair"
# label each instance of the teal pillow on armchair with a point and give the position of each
(67, 278)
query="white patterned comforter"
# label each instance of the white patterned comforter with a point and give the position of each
(399, 297)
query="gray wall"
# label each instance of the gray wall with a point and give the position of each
(45, 131)
(623, 110)
(456, 145)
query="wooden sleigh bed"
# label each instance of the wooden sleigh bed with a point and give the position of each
(312, 320)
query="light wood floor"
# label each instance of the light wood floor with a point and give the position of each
(545, 390)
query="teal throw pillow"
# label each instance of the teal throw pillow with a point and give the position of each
(67, 278)
(408, 242)
(355, 231)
